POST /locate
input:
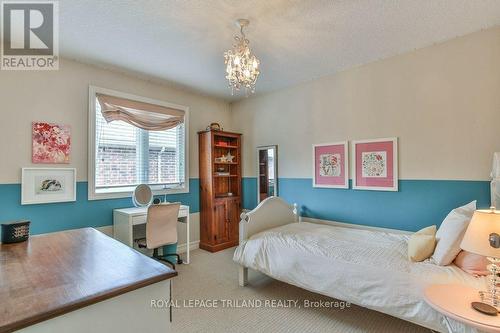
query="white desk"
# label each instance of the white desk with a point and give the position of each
(125, 219)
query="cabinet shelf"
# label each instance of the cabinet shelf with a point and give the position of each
(228, 146)
(222, 196)
(225, 176)
(228, 163)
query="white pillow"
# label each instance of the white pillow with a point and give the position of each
(450, 234)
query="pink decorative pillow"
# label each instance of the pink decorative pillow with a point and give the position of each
(472, 263)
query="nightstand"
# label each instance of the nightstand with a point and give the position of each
(453, 301)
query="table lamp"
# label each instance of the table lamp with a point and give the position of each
(483, 237)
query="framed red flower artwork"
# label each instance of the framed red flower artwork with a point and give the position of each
(51, 143)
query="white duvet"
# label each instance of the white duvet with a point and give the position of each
(367, 268)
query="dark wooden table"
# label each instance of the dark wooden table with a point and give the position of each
(52, 274)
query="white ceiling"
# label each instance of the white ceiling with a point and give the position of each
(183, 41)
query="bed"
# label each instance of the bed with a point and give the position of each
(364, 267)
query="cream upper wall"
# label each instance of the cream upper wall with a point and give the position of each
(62, 97)
(443, 102)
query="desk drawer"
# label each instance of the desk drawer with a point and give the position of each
(140, 219)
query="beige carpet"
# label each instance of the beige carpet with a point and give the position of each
(211, 279)
(213, 276)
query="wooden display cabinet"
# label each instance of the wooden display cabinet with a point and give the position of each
(220, 189)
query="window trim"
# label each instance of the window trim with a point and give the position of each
(92, 195)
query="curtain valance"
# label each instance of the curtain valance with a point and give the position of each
(147, 116)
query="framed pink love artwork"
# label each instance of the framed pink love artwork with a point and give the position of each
(375, 164)
(51, 143)
(330, 161)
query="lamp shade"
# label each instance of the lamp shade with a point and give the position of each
(477, 237)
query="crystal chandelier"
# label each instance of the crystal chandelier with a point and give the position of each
(242, 67)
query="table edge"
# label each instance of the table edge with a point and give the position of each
(182, 207)
(92, 299)
(454, 316)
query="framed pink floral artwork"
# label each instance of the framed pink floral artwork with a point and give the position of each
(375, 164)
(330, 165)
(51, 143)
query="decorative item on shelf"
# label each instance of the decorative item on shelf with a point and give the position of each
(51, 143)
(214, 127)
(229, 158)
(229, 194)
(222, 144)
(242, 67)
(15, 231)
(221, 169)
(482, 238)
(225, 158)
(223, 173)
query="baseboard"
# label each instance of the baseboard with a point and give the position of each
(182, 248)
(353, 226)
(218, 247)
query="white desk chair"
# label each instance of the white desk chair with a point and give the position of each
(161, 230)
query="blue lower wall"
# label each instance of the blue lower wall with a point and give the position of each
(81, 213)
(417, 204)
(249, 191)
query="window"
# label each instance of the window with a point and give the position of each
(124, 155)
